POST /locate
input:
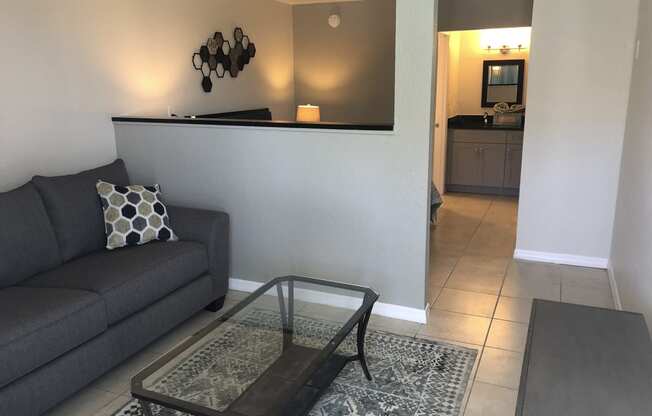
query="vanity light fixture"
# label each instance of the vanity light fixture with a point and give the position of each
(505, 49)
(505, 40)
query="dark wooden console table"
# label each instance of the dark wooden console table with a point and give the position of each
(585, 361)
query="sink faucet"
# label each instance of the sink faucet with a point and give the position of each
(486, 117)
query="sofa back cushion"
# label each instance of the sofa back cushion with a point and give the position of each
(27, 242)
(75, 210)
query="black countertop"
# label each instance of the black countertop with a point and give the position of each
(477, 123)
(253, 123)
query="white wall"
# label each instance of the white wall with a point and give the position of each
(348, 71)
(484, 14)
(579, 78)
(452, 94)
(334, 204)
(67, 65)
(631, 261)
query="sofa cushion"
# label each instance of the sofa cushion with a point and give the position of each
(74, 207)
(132, 278)
(27, 242)
(38, 325)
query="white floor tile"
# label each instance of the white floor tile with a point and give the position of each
(455, 327)
(584, 278)
(590, 296)
(507, 335)
(513, 309)
(500, 367)
(490, 400)
(469, 303)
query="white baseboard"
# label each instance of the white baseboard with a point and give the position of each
(332, 299)
(615, 294)
(556, 258)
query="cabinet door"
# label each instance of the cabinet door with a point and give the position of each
(466, 164)
(514, 155)
(493, 164)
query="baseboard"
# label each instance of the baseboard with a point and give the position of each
(615, 294)
(332, 299)
(556, 258)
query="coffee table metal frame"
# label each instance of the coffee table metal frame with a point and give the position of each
(360, 318)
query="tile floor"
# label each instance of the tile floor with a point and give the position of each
(480, 299)
(481, 296)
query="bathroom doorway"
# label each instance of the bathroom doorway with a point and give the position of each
(476, 159)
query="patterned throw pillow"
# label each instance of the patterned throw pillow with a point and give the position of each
(133, 215)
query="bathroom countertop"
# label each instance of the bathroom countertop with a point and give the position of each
(477, 123)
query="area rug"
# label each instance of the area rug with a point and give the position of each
(411, 377)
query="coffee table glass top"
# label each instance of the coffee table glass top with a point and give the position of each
(257, 356)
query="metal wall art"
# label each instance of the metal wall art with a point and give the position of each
(218, 57)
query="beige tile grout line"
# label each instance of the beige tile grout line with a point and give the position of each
(472, 381)
(484, 345)
(463, 252)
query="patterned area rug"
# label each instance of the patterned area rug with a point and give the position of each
(412, 377)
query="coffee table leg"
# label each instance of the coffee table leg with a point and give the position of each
(281, 306)
(291, 308)
(287, 316)
(147, 410)
(362, 330)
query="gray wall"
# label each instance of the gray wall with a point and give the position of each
(484, 14)
(341, 205)
(578, 90)
(347, 71)
(630, 258)
(67, 65)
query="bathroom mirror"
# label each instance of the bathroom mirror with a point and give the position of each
(502, 81)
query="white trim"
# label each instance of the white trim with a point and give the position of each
(243, 285)
(556, 258)
(615, 294)
(332, 299)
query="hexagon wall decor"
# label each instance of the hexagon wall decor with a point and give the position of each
(218, 57)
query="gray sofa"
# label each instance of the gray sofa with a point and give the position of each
(71, 310)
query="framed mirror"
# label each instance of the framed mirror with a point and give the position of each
(502, 81)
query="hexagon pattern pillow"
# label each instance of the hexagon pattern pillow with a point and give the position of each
(133, 215)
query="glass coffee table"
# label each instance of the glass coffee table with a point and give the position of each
(269, 355)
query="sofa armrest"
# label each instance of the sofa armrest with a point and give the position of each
(211, 228)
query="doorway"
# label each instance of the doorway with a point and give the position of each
(481, 96)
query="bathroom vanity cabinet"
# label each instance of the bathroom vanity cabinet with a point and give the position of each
(484, 160)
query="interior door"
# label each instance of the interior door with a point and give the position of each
(441, 116)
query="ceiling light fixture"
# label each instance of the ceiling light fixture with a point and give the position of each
(334, 20)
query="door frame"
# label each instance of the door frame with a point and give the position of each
(439, 150)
